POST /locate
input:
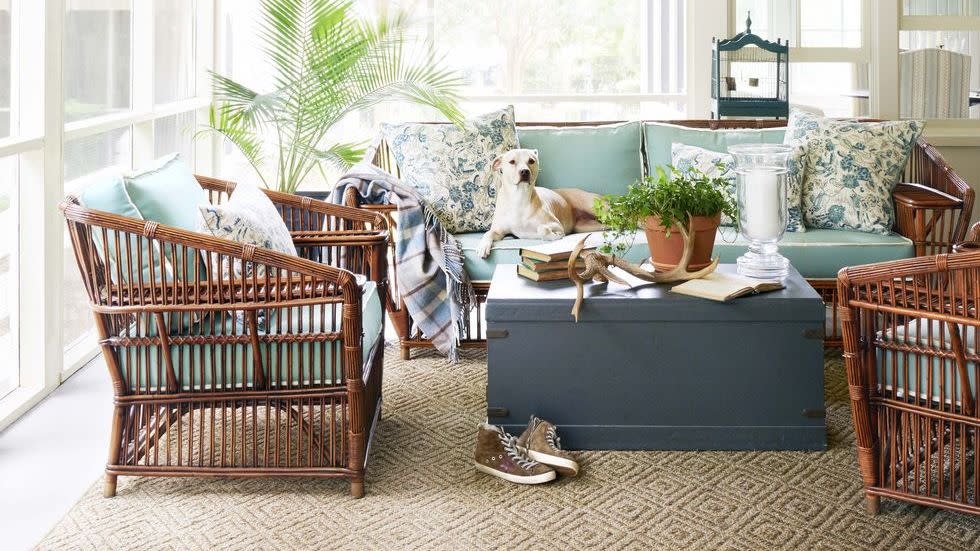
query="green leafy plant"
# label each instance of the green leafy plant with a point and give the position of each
(327, 64)
(673, 196)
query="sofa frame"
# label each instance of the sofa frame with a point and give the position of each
(933, 209)
(168, 418)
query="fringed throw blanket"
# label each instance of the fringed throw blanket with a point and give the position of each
(432, 282)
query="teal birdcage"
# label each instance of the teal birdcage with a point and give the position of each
(750, 76)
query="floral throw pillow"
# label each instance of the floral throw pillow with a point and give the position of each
(852, 169)
(714, 164)
(451, 166)
(247, 217)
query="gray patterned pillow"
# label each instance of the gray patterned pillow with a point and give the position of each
(715, 164)
(852, 168)
(451, 166)
(247, 217)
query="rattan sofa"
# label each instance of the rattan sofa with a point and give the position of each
(274, 373)
(910, 329)
(933, 207)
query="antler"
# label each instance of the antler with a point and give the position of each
(597, 267)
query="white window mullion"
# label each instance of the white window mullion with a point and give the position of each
(142, 75)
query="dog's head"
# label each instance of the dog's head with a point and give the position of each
(517, 166)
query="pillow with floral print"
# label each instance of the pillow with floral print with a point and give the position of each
(722, 165)
(450, 166)
(247, 217)
(852, 169)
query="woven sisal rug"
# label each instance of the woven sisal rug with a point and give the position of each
(422, 493)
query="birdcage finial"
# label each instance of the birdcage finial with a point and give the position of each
(748, 23)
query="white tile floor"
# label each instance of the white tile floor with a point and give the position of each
(51, 455)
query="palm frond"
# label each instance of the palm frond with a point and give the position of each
(235, 131)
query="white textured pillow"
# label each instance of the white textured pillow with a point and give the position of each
(722, 165)
(451, 167)
(248, 217)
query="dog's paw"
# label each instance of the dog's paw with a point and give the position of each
(484, 248)
(551, 233)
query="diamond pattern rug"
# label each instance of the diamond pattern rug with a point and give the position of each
(423, 493)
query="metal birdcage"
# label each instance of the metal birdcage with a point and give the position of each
(750, 76)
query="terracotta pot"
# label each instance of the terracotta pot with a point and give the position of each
(665, 252)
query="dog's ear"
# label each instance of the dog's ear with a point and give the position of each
(496, 163)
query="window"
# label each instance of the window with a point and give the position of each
(128, 81)
(950, 25)
(829, 64)
(97, 57)
(9, 229)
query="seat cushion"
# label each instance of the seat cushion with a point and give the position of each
(895, 368)
(204, 367)
(658, 137)
(820, 254)
(602, 159)
(817, 254)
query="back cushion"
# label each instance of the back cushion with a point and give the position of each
(659, 136)
(601, 159)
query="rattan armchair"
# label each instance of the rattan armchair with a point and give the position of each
(911, 329)
(270, 373)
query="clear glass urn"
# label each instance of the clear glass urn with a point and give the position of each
(762, 173)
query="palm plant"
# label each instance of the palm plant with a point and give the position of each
(327, 63)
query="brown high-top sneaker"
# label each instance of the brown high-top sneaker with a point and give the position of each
(497, 454)
(540, 440)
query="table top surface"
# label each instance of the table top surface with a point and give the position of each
(507, 286)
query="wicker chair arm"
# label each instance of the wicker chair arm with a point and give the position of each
(299, 212)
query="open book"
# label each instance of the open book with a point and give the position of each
(725, 287)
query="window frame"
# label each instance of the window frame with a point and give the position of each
(37, 103)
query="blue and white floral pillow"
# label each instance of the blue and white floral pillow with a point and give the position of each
(852, 169)
(247, 217)
(714, 164)
(451, 166)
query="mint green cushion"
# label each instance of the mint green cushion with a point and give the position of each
(659, 136)
(508, 251)
(820, 254)
(817, 254)
(106, 191)
(167, 192)
(601, 159)
(311, 363)
(895, 368)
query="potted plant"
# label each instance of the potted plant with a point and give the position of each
(328, 63)
(659, 204)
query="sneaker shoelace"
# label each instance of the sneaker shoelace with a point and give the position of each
(514, 452)
(551, 436)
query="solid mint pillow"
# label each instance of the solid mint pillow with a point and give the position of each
(451, 167)
(602, 159)
(167, 192)
(659, 137)
(106, 191)
(852, 169)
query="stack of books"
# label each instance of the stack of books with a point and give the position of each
(548, 261)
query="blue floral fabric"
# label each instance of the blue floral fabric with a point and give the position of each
(852, 169)
(451, 166)
(715, 164)
(248, 217)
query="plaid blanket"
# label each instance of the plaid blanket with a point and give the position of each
(432, 282)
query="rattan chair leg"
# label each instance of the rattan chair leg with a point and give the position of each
(406, 352)
(110, 486)
(872, 504)
(357, 488)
